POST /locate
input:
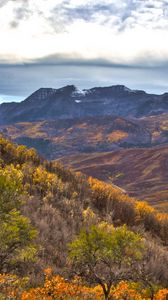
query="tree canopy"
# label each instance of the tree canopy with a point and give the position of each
(104, 254)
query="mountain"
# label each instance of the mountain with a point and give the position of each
(115, 134)
(69, 102)
(84, 127)
(141, 172)
(44, 207)
(64, 137)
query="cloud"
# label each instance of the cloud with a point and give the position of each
(66, 13)
(122, 15)
(20, 14)
(21, 81)
(110, 34)
(119, 15)
(20, 11)
(86, 12)
(3, 2)
(142, 62)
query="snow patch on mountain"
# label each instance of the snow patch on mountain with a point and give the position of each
(79, 92)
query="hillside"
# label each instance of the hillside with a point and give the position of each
(57, 204)
(157, 126)
(92, 137)
(142, 172)
(66, 122)
(44, 179)
(58, 138)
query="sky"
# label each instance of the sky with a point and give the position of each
(52, 43)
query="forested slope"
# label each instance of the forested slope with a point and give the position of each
(43, 207)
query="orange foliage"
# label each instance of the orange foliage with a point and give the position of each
(116, 136)
(161, 295)
(125, 291)
(128, 210)
(56, 287)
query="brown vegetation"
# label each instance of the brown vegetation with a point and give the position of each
(142, 172)
(59, 203)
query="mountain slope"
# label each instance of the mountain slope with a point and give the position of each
(58, 204)
(69, 102)
(65, 122)
(64, 137)
(58, 138)
(49, 186)
(142, 172)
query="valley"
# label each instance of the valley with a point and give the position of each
(83, 150)
(141, 172)
(102, 132)
(102, 164)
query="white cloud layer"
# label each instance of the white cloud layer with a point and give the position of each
(118, 31)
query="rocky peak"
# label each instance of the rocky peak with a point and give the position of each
(41, 94)
(67, 90)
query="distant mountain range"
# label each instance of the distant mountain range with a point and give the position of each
(103, 131)
(69, 102)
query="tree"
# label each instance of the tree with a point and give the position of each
(11, 189)
(104, 254)
(16, 241)
(152, 270)
(16, 234)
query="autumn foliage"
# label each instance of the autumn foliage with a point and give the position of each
(43, 207)
(56, 287)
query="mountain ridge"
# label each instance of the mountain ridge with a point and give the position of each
(69, 122)
(70, 102)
